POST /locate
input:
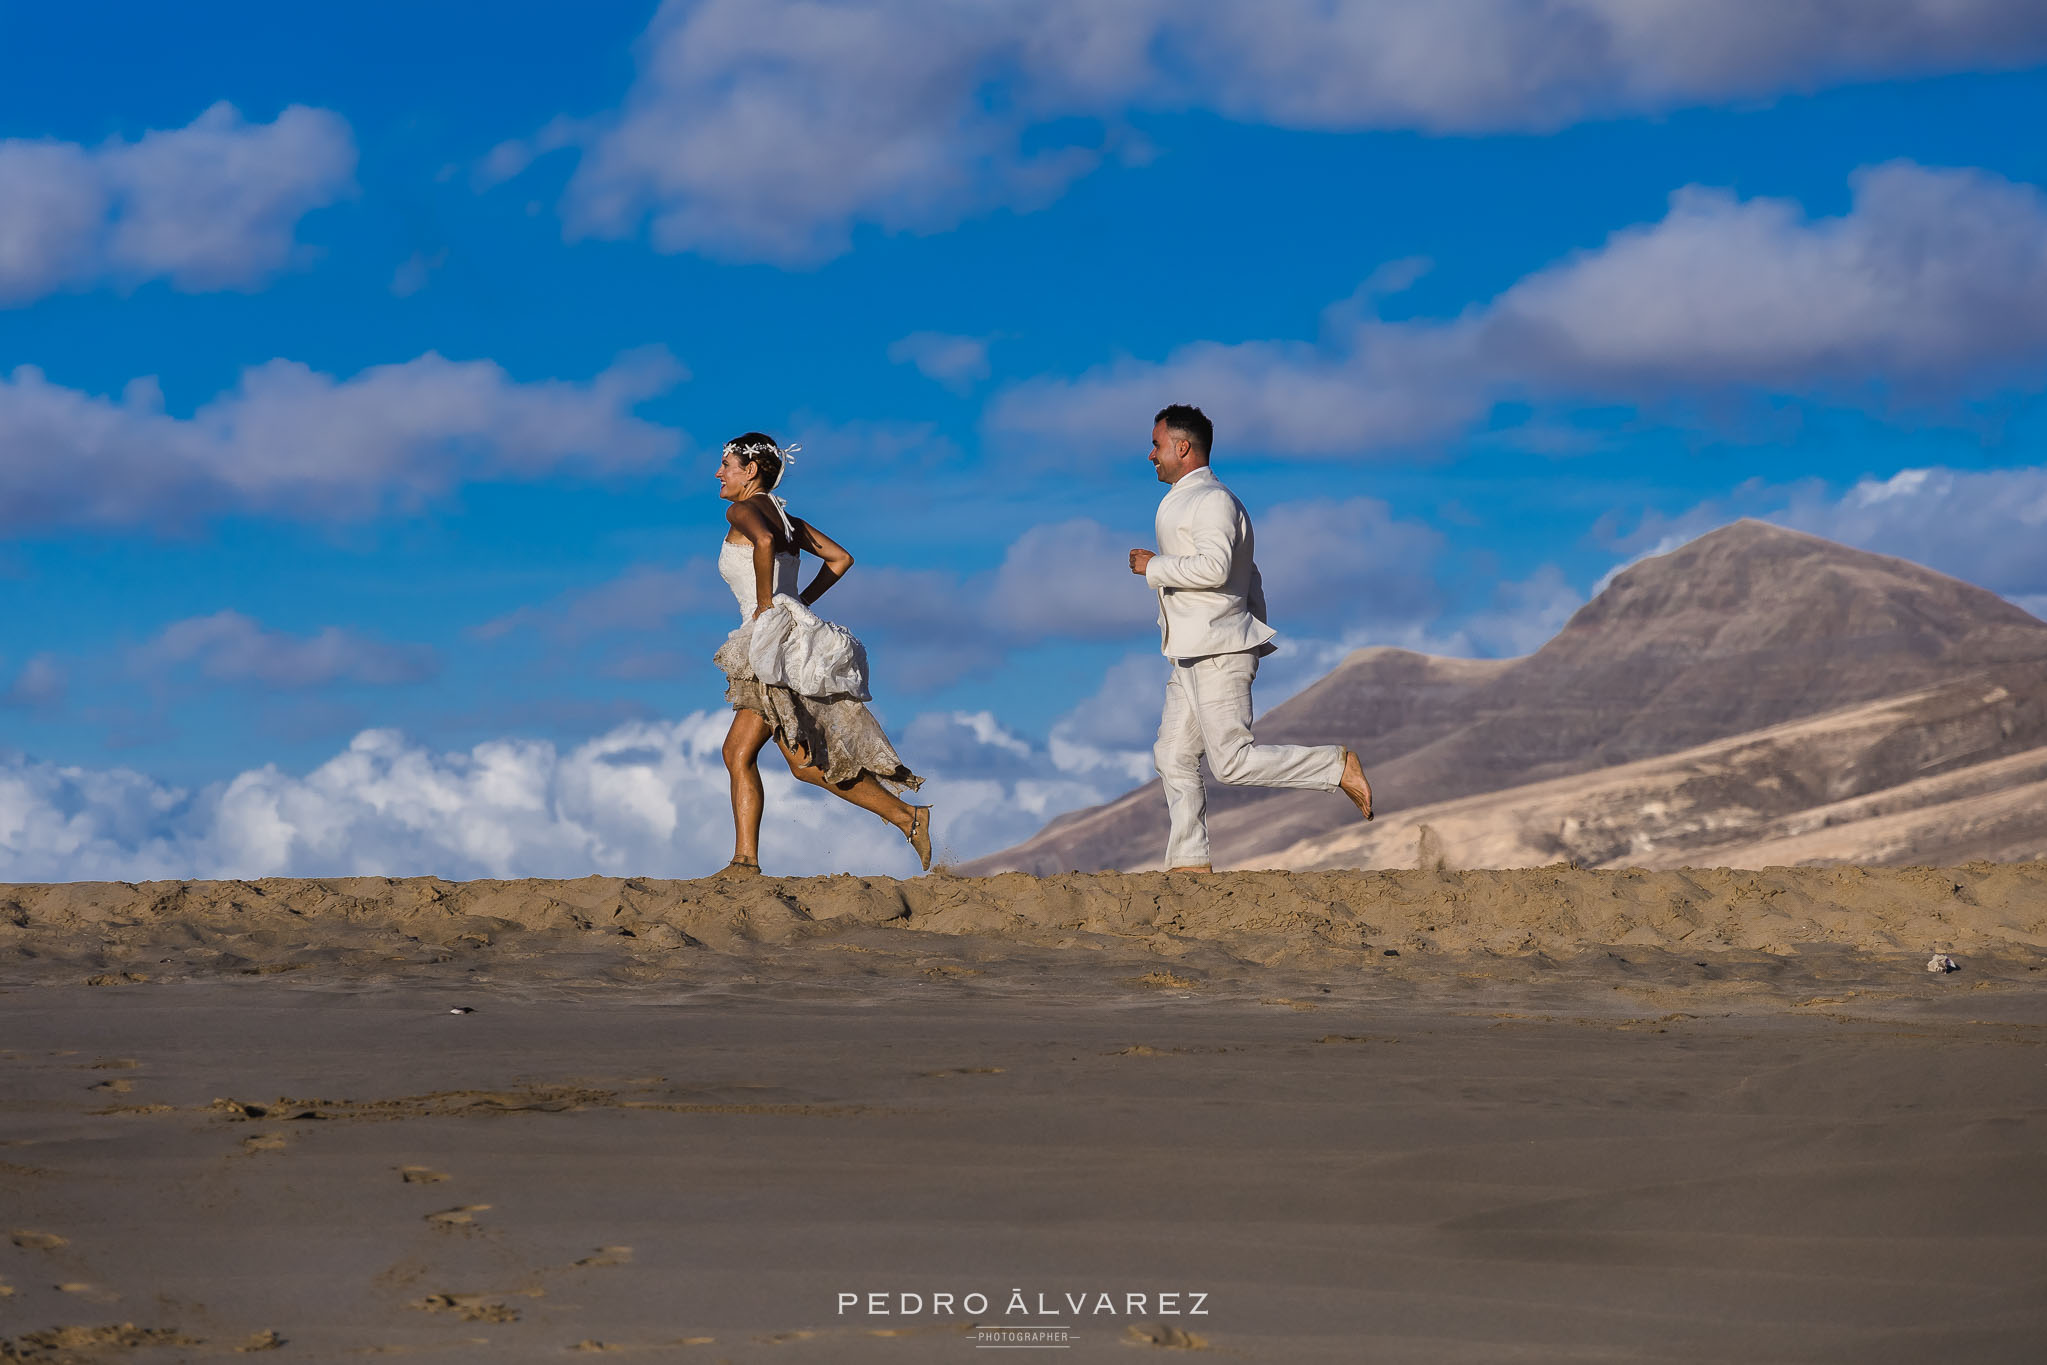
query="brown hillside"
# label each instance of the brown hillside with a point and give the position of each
(1748, 627)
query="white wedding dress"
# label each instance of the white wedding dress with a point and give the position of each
(804, 675)
(788, 645)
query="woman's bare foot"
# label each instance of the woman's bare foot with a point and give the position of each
(919, 835)
(738, 867)
(1354, 786)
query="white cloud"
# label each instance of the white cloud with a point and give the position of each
(768, 129)
(1524, 616)
(1382, 385)
(292, 441)
(1934, 285)
(213, 205)
(992, 788)
(1068, 580)
(1350, 562)
(763, 129)
(1112, 731)
(51, 210)
(511, 157)
(1657, 537)
(416, 272)
(1933, 277)
(868, 445)
(955, 361)
(1983, 526)
(1987, 527)
(648, 798)
(40, 684)
(1483, 65)
(974, 740)
(230, 647)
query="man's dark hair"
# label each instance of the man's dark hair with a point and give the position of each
(1190, 422)
(761, 450)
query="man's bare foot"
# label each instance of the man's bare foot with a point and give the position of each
(919, 835)
(1354, 786)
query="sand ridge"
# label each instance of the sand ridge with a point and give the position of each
(940, 927)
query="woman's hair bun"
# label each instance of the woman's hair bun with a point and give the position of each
(759, 449)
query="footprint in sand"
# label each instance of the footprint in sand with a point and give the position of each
(265, 1142)
(421, 1175)
(236, 1109)
(261, 1341)
(119, 1085)
(462, 1215)
(1163, 1334)
(402, 1274)
(608, 1256)
(38, 1241)
(61, 1341)
(468, 1307)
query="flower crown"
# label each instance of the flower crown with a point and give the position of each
(753, 450)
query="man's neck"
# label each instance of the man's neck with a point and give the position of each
(1189, 473)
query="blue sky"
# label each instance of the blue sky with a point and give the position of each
(361, 370)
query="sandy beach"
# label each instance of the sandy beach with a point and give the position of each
(1701, 1116)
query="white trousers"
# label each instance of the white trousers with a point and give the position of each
(1208, 711)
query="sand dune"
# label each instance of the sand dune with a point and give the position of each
(597, 928)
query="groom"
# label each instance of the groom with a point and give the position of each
(1212, 629)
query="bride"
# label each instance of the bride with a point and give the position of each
(790, 676)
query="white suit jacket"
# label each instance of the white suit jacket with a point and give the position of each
(1210, 598)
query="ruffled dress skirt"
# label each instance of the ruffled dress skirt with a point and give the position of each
(808, 679)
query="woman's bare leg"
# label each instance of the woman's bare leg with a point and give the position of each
(864, 792)
(743, 744)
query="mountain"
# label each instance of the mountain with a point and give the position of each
(1747, 628)
(1944, 776)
